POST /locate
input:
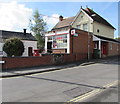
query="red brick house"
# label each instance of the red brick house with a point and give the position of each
(83, 36)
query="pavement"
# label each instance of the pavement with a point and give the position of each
(34, 70)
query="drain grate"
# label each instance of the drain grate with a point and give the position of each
(77, 91)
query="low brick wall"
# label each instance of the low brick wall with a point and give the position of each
(81, 56)
(22, 62)
(75, 57)
(68, 58)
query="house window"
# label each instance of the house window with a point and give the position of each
(85, 27)
(78, 26)
(60, 41)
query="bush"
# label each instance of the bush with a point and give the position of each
(13, 47)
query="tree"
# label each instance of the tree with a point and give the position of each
(118, 38)
(38, 27)
(13, 47)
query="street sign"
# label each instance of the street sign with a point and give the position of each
(73, 33)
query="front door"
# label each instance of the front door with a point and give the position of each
(104, 49)
(49, 47)
(30, 49)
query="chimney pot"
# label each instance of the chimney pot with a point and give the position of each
(60, 18)
(24, 31)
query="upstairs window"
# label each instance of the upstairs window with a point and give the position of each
(78, 26)
(85, 27)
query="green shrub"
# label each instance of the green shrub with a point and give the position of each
(13, 47)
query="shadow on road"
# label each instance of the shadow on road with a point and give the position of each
(110, 60)
(66, 82)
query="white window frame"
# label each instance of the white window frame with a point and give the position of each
(85, 26)
(78, 26)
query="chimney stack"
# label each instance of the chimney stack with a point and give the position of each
(24, 31)
(60, 18)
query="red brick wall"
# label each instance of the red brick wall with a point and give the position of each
(21, 62)
(79, 44)
(69, 58)
(115, 49)
(81, 56)
(74, 57)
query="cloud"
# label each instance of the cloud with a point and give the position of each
(51, 20)
(14, 16)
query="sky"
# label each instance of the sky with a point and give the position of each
(15, 15)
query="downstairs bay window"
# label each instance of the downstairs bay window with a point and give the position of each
(60, 41)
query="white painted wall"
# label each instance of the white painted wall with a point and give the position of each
(103, 30)
(68, 43)
(1, 45)
(46, 40)
(27, 44)
(93, 26)
(83, 18)
(1, 49)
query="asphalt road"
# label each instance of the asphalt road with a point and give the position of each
(109, 95)
(64, 85)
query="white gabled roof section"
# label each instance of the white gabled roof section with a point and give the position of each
(87, 15)
(79, 14)
(75, 17)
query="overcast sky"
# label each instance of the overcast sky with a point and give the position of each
(14, 15)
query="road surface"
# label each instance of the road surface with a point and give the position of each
(65, 85)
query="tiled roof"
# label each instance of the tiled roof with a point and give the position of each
(96, 17)
(20, 35)
(64, 23)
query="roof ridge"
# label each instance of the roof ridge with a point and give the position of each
(14, 31)
(99, 16)
(11, 34)
(65, 22)
(70, 17)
